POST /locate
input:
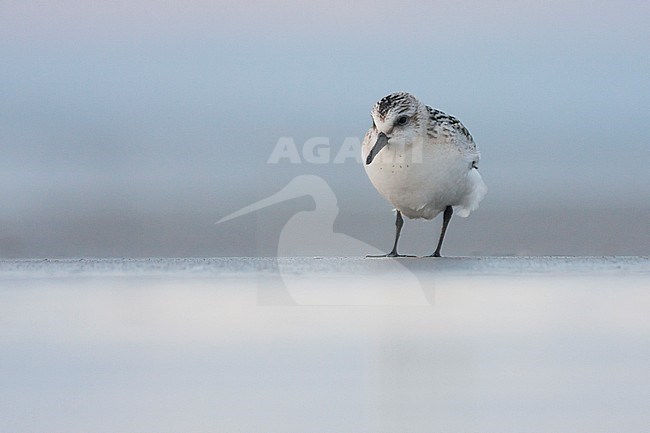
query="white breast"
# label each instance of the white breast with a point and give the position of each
(422, 179)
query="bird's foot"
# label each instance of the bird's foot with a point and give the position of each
(391, 254)
(436, 254)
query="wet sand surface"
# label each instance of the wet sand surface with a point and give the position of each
(480, 344)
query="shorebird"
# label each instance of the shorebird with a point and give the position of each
(422, 161)
(395, 284)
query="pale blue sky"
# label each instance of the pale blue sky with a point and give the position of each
(145, 110)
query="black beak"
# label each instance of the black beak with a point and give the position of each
(382, 140)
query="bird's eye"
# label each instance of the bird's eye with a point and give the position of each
(402, 120)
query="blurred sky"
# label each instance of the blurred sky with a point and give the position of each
(129, 128)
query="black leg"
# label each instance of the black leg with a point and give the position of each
(445, 222)
(399, 222)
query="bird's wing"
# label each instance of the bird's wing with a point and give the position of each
(452, 127)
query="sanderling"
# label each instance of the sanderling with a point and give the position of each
(422, 161)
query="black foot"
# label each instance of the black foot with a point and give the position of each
(436, 254)
(391, 254)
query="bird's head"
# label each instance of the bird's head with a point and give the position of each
(395, 119)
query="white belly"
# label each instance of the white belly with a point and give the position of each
(423, 182)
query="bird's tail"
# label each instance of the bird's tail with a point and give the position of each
(477, 190)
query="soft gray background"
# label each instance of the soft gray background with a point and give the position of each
(129, 128)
